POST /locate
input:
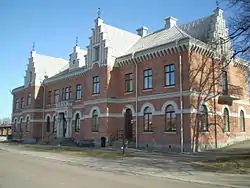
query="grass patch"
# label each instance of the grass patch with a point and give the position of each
(75, 151)
(237, 164)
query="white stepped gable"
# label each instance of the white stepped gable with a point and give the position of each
(40, 66)
(107, 43)
(77, 58)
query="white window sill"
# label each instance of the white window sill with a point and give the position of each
(167, 87)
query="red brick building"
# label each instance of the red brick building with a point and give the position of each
(172, 88)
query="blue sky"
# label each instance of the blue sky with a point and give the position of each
(54, 24)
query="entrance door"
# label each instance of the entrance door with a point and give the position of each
(128, 129)
(64, 123)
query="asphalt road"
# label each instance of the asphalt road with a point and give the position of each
(25, 171)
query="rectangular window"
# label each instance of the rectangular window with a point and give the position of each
(169, 75)
(49, 97)
(96, 85)
(29, 100)
(68, 92)
(63, 94)
(147, 79)
(56, 96)
(128, 82)
(22, 102)
(96, 53)
(78, 92)
(17, 104)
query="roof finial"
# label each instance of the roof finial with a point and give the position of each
(217, 4)
(76, 41)
(99, 13)
(33, 46)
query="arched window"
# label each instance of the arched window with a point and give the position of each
(242, 121)
(147, 116)
(77, 123)
(54, 124)
(95, 121)
(27, 125)
(21, 125)
(226, 120)
(170, 119)
(48, 124)
(204, 118)
(15, 125)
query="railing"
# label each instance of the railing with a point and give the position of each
(232, 90)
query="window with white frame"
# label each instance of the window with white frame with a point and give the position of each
(242, 121)
(128, 82)
(77, 123)
(22, 102)
(56, 96)
(170, 119)
(95, 121)
(147, 79)
(147, 116)
(169, 75)
(17, 104)
(204, 118)
(27, 125)
(78, 92)
(96, 85)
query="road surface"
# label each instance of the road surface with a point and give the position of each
(25, 171)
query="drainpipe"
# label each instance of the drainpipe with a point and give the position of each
(42, 84)
(181, 100)
(136, 102)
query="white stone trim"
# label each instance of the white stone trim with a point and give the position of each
(94, 108)
(131, 107)
(77, 112)
(132, 99)
(28, 115)
(21, 117)
(46, 116)
(164, 106)
(147, 104)
(54, 115)
(223, 108)
(243, 109)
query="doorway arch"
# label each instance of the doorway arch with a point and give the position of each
(128, 128)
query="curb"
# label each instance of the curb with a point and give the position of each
(130, 172)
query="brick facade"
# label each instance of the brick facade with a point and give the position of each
(201, 85)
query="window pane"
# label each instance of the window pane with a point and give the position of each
(172, 78)
(150, 84)
(145, 83)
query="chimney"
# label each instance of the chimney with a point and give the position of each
(142, 31)
(170, 22)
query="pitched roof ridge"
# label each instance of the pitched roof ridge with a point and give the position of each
(47, 56)
(197, 20)
(118, 29)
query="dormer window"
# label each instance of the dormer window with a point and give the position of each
(96, 53)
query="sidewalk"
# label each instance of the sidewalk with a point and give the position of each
(161, 166)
